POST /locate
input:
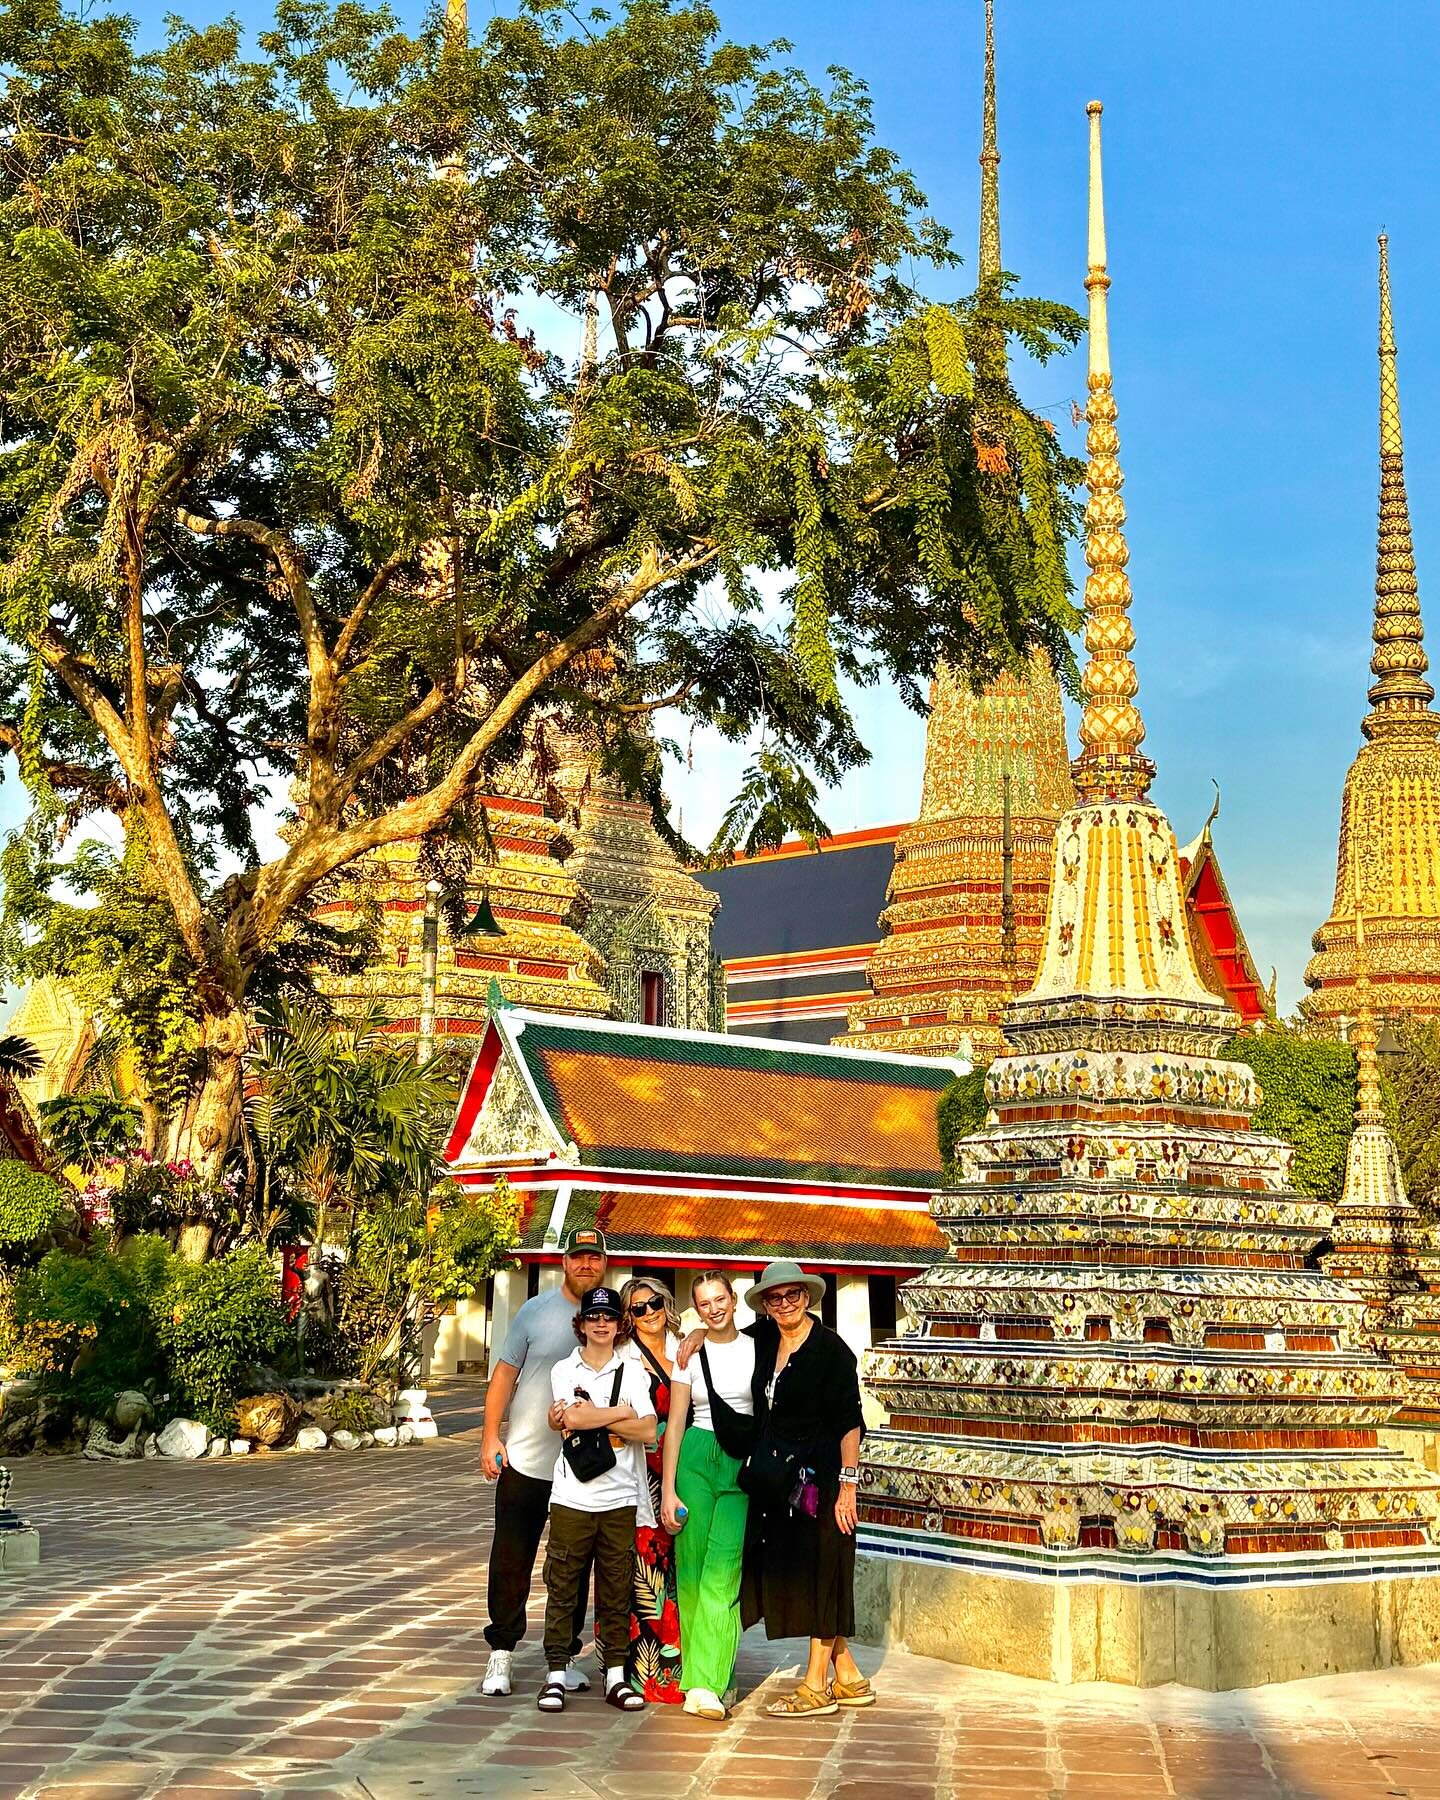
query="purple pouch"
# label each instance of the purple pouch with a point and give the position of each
(805, 1495)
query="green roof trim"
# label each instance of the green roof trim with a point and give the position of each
(720, 1050)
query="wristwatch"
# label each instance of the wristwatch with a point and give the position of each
(850, 1476)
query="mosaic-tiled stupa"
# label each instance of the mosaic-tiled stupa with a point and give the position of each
(1381, 1244)
(964, 918)
(1135, 1438)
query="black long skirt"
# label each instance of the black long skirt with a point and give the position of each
(799, 1573)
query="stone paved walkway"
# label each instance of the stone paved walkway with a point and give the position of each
(288, 1626)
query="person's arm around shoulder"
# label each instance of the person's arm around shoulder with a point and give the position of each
(670, 1450)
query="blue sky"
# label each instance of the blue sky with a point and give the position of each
(1252, 153)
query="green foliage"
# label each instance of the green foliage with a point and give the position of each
(286, 491)
(961, 1113)
(86, 1324)
(215, 1321)
(407, 1259)
(1308, 1088)
(340, 1117)
(31, 1203)
(86, 1129)
(115, 944)
(352, 1411)
(19, 1057)
(1414, 1075)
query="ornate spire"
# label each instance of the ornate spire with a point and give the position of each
(1110, 764)
(989, 162)
(1365, 1037)
(1400, 691)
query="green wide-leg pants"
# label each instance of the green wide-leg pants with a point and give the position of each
(708, 1554)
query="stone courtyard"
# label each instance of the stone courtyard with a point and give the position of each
(312, 1625)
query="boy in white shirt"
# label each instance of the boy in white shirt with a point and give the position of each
(596, 1388)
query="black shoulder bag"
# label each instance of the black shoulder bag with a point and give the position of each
(590, 1453)
(734, 1431)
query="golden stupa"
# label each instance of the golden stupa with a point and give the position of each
(964, 918)
(1389, 869)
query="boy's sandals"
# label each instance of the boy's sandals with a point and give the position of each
(852, 1693)
(804, 1702)
(552, 1695)
(622, 1695)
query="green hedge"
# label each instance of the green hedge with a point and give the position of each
(30, 1204)
(961, 1112)
(1308, 1086)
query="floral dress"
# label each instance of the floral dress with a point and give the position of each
(652, 1666)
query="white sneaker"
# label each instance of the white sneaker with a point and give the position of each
(497, 1674)
(576, 1680)
(704, 1704)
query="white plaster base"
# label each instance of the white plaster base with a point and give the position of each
(1069, 1631)
(19, 1549)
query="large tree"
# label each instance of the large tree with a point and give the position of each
(306, 481)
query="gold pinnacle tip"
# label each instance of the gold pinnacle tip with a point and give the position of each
(1095, 107)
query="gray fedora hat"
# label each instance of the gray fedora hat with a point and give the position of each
(785, 1274)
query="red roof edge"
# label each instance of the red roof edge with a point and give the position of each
(1208, 903)
(472, 1096)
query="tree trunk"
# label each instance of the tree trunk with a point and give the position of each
(209, 1122)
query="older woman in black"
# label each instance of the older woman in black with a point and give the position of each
(800, 1541)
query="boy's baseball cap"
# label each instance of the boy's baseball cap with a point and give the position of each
(585, 1237)
(601, 1300)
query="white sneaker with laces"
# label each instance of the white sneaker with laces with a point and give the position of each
(704, 1704)
(576, 1680)
(497, 1674)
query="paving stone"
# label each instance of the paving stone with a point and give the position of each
(323, 1626)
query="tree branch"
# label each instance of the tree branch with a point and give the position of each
(284, 883)
(321, 723)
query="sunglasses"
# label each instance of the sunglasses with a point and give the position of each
(638, 1308)
(593, 1318)
(787, 1296)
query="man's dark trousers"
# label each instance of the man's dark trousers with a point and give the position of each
(522, 1505)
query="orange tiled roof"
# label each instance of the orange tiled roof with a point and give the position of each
(730, 1228)
(698, 1102)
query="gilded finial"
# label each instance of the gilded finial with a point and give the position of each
(989, 162)
(1400, 695)
(1111, 730)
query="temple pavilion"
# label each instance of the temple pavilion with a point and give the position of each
(693, 1150)
(1388, 877)
(1137, 1435)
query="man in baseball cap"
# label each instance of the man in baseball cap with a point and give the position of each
(540, 1335)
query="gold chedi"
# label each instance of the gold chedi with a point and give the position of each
(964, 916)
(1389, 863)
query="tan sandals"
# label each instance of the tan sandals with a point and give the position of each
(852, 1693)
(804, 1702)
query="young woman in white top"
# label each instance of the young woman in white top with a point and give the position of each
(700, 1475)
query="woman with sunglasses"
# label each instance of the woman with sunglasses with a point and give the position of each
(652, 1664)
(801, 1477)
